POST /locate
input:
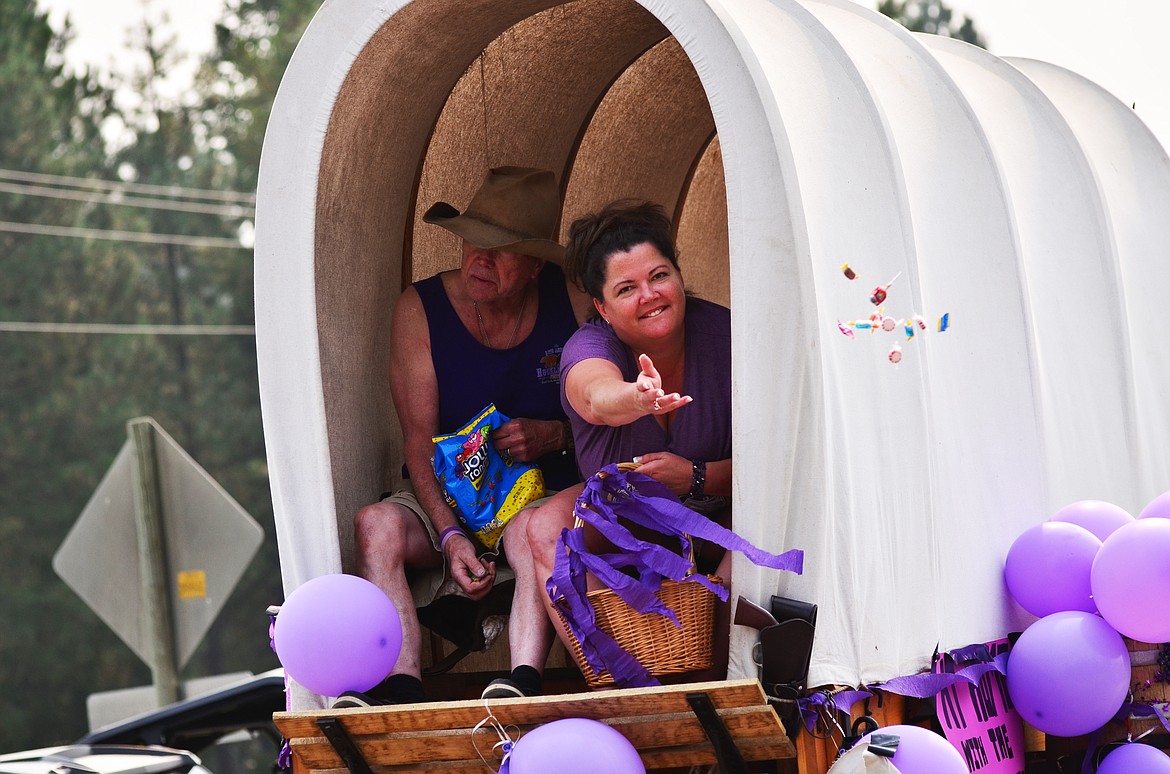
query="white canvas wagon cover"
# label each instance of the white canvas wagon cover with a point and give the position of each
(789, 137)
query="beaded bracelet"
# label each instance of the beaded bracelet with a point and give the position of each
(447, 534)
(698, 478)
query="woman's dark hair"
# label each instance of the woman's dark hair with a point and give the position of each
(617, 227)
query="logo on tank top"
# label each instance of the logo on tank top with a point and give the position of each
(548, 371)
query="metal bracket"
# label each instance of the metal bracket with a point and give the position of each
(726, 753)
(344, 746)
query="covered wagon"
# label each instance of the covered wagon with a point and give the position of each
(1013, 213)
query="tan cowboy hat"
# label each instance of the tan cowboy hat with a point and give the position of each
(515, 209)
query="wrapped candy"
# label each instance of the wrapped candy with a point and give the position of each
(896, 355)
(849, 273)
(879, 293)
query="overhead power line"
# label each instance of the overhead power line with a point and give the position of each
(121, 236)
(117, 328)
(115, 197)
(172, 191)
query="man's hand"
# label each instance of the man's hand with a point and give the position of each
(527, 440)
(473, 576)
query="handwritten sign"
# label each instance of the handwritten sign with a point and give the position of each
(980, 720)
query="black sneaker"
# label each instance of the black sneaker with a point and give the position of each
(502, 688)
(351, 699)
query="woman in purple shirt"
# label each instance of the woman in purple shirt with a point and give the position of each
(648, 379)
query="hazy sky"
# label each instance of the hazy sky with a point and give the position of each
(1119, 44)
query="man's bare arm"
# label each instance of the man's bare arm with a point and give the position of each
(415, 390)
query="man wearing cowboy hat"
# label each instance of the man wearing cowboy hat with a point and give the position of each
(488, 332)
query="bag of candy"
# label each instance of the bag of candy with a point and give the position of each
(483, 487)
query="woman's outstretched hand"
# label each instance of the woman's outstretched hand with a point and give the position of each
(650, 396)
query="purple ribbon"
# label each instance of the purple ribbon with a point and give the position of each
(919, 686)
(923, 686)
(640, 500)
(284, 760)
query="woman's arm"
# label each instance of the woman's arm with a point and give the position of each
(678, 473)
(597, 391)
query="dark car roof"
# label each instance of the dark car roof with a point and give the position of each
(195, 723)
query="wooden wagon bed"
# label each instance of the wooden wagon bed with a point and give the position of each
(726, 722)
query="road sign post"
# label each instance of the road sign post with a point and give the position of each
(157, 551)
(152, 562)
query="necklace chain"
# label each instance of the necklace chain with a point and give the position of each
(515, 329)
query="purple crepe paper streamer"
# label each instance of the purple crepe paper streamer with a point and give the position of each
(600, 650)
(923, 686)
(604, 499)
(842, 702)
(284, 756)
(629, 488)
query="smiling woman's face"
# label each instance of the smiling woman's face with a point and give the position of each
(643, 296)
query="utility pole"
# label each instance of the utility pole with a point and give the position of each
(152, 562)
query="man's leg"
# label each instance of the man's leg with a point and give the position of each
(543, 528)
(530, 631)
(388, 538)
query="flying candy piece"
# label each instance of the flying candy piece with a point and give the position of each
(861, 325)
(944, 322)
(889, 323)
(896, 355)
(879, 293)
(909, 328)
(849, 273)
(844, 329)
(919, 321)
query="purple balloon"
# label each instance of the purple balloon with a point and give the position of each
(921, 751)
(574, 746)
(337, 633)
(1135, 758)
(1131, 580)
(1048, 567)
(1097, 516)
(1158, 508)
(1068, 673)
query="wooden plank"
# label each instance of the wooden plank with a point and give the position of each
(747, 726)
(540, 709)
(439, 736)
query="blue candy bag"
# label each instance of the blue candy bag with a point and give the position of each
(482, 486)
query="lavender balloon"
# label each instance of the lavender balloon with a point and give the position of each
(337, 633)
(921, 751)
(1131, 580)
(1158, 508)
(1068, 673)
(1097, 516)
(574, 746)
(1135, 758)
(1048, 568)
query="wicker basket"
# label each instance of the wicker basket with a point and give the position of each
(661, 647)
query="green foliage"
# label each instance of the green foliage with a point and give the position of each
(932, 16)
(65, 398)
